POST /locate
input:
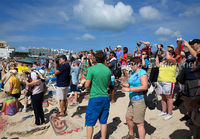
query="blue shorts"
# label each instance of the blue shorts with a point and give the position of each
(98, 108)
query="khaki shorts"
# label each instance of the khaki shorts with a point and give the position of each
(61, 93)
(137, 108)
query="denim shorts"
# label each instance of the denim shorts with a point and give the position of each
(98, 108)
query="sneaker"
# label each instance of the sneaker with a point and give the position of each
(162, 113)
(169, 116)
(23, 110)
(128, 137)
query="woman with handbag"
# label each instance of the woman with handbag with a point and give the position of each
(137, 84)
(37, 96)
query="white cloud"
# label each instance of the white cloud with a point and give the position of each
(149, 13)
(167, 32)
(86, 37)
(99, 15)
(192, 11)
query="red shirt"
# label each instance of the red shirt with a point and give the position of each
(146, 49)
(125, 56)
(179, 59)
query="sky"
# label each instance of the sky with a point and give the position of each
(95, 24)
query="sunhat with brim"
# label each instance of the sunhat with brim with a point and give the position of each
(41, 74)
(13, 71)
(172, 46)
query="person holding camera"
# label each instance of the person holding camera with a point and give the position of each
(119, 53)
(190, 79)
(166, 83)
(63, 80)
(37, 96)
(147, 47)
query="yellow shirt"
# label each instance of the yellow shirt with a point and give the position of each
(15, 85)
(167, 73)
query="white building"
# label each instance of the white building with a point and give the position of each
(5, 50)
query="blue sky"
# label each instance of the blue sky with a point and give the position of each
(95, 24)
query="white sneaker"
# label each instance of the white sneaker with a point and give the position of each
(23, 110)
(169, 116)
(162, 113)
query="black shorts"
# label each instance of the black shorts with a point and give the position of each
(16, 95)
(73, 87)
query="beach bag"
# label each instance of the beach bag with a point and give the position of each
(150, 98)
(117, 70)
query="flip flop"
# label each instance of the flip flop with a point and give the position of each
(74, 104)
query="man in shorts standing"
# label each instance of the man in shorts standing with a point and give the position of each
(98, 79)
(63, 80)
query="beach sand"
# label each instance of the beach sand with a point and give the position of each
(156, 127)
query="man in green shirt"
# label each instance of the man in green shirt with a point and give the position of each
(98, 79)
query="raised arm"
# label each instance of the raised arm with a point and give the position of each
(170, 58)
(192, 51)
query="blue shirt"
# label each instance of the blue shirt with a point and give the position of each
(146, 62)
(63, 79)
(75, 73)
(119, 54)
(134, 81)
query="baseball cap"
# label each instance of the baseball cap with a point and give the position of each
(119, 46)
(172, 46)
(77, 62)
(63, 57)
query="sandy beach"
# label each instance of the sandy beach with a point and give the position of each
(156, 127)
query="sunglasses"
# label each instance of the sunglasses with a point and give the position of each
(132, 64)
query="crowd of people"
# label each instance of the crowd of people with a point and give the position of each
(174, 73)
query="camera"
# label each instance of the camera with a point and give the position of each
(139, 43)
(159, 52)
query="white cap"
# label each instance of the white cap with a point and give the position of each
(13, 71)
(119, 46)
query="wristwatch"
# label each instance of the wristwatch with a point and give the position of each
(129, 89)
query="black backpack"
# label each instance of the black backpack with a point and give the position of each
(117, 70)
(151, 100)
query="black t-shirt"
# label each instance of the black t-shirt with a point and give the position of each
(112, 65)
(63, 79)
(189, 75)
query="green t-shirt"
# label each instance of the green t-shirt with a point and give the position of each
(99, 75)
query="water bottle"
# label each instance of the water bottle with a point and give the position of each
(112, 80)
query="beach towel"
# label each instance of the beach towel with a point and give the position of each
(11, 108)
